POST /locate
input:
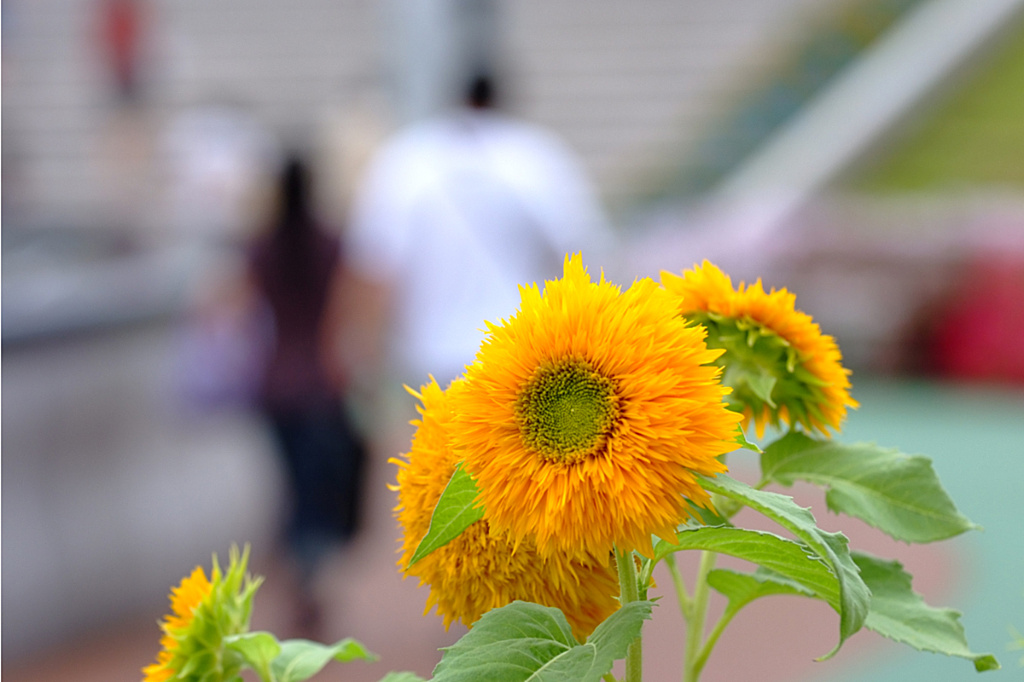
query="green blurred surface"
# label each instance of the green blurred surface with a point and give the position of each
(975, 437)
(974, 137)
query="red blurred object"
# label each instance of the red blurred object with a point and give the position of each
(980, 333)
(123, 28)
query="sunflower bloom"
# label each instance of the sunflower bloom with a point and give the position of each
(779, 364)
(587, 415)
(203, 612)
(480, 569)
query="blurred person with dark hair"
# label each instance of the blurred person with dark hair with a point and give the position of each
(453, 214)
(293, 268)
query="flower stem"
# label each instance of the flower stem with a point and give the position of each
(712, 639)
(682, 596)
(695, 656)
(629, 592)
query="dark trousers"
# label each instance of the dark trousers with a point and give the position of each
(324, 457)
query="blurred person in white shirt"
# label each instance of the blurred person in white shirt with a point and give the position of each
(453, 214)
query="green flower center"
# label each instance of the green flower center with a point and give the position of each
(566, 411)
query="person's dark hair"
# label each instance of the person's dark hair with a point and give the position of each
(481, 92)
(294, 225)
(295, 190)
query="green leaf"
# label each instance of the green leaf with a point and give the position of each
(402, 677)
(785, 557)
(1017, 644)
(611, 638)
(897, 493)
(523, 642)
(832, 547)
(258, 649)
(705, 517)
(505, 642)
(300, 659)
(743, 588)
(899, 613)
(454, 512)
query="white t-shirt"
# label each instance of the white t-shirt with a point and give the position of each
(455, 214)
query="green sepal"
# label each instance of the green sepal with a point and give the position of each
(761, 383)
(524, 641)
(854, 595)
(258, 649)
(741, 440)
(300, 659)
(455, 511)
(200, 654)
(899, 613)
(897, 493)
(764, 371)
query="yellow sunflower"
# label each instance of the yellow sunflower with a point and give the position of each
(203, 612)
(587, 414)
(780, 366)
(480, 569)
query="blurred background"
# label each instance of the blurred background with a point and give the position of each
(866, 154)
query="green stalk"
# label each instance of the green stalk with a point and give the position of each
(712, 639)
(682, 596)
(693, 661)
(629, 592)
